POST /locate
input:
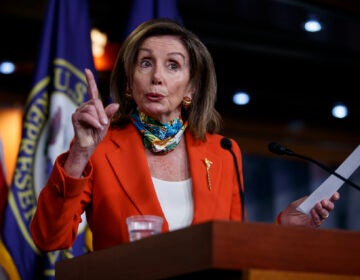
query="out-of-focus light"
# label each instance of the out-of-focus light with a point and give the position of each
(296, 125)
(98, 40)
(339, 111)
(241, 98)
(312, 25)
(7, 67)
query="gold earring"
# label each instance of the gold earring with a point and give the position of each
(186, 102)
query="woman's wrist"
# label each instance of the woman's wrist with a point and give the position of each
(76, 161)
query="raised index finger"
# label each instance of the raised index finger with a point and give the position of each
(92, 87)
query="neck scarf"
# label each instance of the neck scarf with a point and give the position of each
(160, 138)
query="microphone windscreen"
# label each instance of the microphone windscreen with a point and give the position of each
(226, 143)
(276, 148)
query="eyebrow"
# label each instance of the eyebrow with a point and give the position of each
(169, 54)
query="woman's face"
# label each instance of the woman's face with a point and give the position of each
(161, 77)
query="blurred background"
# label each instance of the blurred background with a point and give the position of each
(290, 81)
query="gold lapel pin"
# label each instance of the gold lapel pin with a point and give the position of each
(208, 164)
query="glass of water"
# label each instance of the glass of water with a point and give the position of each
(141, 226)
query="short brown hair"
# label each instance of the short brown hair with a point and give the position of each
(202, 116)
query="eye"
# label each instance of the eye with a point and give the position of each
(173, 66)
(144, 63)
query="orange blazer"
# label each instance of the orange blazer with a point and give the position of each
(117, 183)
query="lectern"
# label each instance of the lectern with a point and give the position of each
(225, 250)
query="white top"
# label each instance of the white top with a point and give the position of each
(176, 202)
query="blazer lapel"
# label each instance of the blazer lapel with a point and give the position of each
(205, 179)
(130, 166)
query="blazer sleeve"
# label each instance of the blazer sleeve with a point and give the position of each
(60, 204)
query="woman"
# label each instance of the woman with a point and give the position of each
(155, 150)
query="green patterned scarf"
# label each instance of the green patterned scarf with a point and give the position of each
(160, 138)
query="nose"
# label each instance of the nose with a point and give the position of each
(157, 76)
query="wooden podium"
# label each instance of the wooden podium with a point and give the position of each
(226, 250)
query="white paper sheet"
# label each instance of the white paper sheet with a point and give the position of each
(332, 183)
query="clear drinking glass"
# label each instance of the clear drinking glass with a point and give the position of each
(141, 226)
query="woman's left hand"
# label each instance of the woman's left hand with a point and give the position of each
(318, 214)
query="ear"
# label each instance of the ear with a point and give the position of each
(191, 91)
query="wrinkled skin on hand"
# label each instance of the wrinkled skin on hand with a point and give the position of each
(91, 120)
(318, 214)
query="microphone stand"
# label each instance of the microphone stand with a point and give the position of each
(226, 144)
(281, 150)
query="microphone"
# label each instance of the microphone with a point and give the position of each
(226, 144)
(278, 149)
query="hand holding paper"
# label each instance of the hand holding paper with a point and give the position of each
(332, 183)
